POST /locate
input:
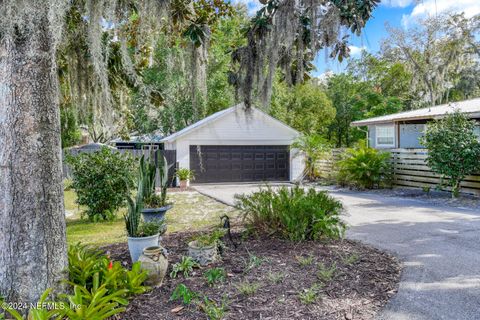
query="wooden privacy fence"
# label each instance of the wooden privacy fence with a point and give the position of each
(170, 156)
(409, 170)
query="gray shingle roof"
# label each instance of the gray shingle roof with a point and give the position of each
(470, 107)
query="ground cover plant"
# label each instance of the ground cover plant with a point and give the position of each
(292, 213)
(96, 288)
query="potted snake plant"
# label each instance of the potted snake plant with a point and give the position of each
(155, 205)
(140, 234)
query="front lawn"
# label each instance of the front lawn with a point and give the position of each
(190, 211)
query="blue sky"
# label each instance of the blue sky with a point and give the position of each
(370, 38)
(398, 13)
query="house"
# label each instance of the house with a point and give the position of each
(404, 129)
(149, 141)
(237, 145)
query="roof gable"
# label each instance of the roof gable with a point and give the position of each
(238, 114)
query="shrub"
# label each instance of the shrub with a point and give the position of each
(364, 168)
(293, 213)
(453, 149)
(147, 229)
(102, 180)
(253, 262)
(305, 261)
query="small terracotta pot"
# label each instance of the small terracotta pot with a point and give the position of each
(184, 184)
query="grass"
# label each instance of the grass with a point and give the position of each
(191, 211)
(351, 259)
(276, 277)
(248, 288)
(309, 295)
(305, 261)
(253, 262)
(325, 273)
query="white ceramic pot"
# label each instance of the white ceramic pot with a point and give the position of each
(137, 244)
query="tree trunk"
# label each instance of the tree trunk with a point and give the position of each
(32, 219)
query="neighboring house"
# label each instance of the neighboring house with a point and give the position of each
(237, 145)
(149, 141)
(404, 129)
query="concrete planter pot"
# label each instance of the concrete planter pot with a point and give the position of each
(137, 244)
(153, 214)
(203, 255)
(155, 261)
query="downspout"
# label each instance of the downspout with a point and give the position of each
(367, 132)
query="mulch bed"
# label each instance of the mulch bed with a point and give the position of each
(363, 281)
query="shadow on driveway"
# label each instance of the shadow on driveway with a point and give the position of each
(438, 245)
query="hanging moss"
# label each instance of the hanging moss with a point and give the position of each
(287, 34)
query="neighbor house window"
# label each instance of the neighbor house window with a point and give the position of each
(385, 136)
(477, 131)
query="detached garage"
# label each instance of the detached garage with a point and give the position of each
(237, 145)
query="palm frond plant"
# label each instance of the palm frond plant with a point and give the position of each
(364, 168)
(315, 148)
(185, 175)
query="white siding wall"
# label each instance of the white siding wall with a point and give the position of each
(239, 128)
(297, 164)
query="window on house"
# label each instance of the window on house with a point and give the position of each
(385, 136)
(477, 131)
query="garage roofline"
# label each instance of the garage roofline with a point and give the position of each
(218, 115)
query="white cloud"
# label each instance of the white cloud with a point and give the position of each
(397, 3)
(356, 51)
(252, 5)
(432, 7)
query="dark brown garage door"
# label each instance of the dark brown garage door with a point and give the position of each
(239, 163)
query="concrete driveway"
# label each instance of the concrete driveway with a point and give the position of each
(439, 247)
